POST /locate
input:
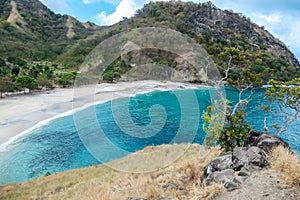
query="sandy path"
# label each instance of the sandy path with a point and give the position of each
(262, 185)
(22, 112)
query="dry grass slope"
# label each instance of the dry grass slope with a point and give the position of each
(288, 164)
(178, 180)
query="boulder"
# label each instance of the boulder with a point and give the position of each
(222, 162)
(168, 198)
(219, 163)
(244, 172)
(233, 168)
(264, 141)
(240, 179)
(231, 185)
(249, 156)
(221, 176)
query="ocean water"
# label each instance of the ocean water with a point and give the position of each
(148, 119)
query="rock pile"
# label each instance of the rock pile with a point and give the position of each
(233, 168)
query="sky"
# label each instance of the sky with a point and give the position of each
(279, 17)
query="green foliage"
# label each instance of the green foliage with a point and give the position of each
(42, 36)
(225, 129)
(5, 9)
(228, 126)
(66, 79)
(2, 62)
(47, 174)
(15, 70)
(212, 126)
(287, 93)
(27, 82)
(45, 38)
(16, 61)
(6, 85)
(4, 68)
(108, 77)
(114, 70)
(235, 131)
(44, 82)
(241, 73)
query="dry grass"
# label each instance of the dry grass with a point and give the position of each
(180, 180)
(288, 164)
(206, 192)
(194, 169)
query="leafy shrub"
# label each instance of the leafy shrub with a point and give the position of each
(228, 131)
(27, 82)
(66, 79)
(235, 131)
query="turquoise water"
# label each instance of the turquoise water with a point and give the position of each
(58, 147)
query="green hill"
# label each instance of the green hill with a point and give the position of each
(214, 29)
(31, 31)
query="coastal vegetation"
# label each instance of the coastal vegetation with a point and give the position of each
(226, 122)
(17, 74)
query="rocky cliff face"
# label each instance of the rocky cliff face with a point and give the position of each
(234, 29)
(217, 29)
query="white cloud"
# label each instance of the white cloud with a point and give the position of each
(289, 33)
(283, 26)
(126, 8)
(271, 18)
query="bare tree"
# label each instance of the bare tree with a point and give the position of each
(225, 123)
(286, 95)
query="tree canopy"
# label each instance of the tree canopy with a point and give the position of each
(27, 82)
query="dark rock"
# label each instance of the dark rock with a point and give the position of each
(208, 170)
(244, 160)
(248, 156)
(222, 162)
(173, 186)
(221, 176)
(264, 141)
(240, 179)
(244, 172)
(231, 185)
(167, 198)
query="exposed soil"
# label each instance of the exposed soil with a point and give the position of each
(266, 185)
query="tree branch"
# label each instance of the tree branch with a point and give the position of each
(287, 123)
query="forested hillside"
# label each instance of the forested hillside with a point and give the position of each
(31, 31)
(49, 47)
(215, 29)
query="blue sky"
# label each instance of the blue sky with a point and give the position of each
(280, 17)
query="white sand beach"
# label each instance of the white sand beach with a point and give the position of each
(21, 113)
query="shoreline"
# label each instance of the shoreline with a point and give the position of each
(21, 115)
